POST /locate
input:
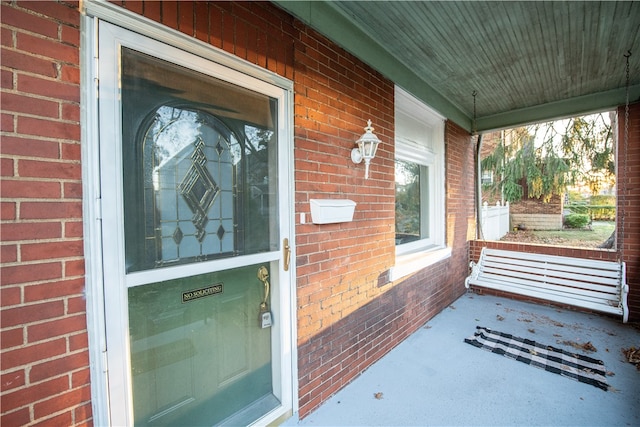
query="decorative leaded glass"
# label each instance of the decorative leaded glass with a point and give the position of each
(193, 168)
(199, 189)
(199, 166)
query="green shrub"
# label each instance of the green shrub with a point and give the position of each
(576, 220)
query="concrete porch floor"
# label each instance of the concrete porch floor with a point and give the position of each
(435, 378)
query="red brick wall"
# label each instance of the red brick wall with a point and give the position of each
(461, 196)
(628, 218)
(338, 264)
(45, 361)
(538, 206)
(377, 315)
(255, 31)
(348, 313)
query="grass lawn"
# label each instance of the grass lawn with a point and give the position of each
(591, 238)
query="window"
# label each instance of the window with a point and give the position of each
(412, 186)
(487, 177)
(420, 192)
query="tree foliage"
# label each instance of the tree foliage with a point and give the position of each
(541, 160)
(407, 198)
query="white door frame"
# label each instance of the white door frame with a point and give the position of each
(95, 13)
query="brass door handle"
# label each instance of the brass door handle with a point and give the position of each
(286, 253)
(263, 276)
(264, 316)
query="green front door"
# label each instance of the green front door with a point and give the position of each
(198, 353)
(195, 268)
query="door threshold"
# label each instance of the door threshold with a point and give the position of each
(247, 416)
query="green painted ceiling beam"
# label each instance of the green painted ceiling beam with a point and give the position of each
(571, 107)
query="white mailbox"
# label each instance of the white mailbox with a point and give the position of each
(327, 211)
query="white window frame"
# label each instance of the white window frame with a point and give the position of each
(419, 138)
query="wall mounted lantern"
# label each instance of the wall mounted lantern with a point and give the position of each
(367, 146)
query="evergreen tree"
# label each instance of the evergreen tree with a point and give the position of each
(541, 160)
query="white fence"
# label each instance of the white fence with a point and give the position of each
(494, 221)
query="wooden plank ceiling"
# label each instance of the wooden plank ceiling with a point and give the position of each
(527, 61)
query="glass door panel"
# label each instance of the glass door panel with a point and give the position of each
(198, 353)
(199, 162)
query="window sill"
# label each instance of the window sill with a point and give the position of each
(413, 262)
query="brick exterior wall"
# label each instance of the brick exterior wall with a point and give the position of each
(349, 314)
(536, 214)
(538, 206)
(628, 218)
(339, 265)
(335, 274)
(45, 359)
(349, 319)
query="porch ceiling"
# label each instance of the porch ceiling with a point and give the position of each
(528, 61)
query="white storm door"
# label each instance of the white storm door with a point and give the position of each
(194, 180)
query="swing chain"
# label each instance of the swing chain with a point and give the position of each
(626, 108)
(475, 126)
(626, 153)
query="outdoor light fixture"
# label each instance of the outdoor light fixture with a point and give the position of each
(367, 146)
